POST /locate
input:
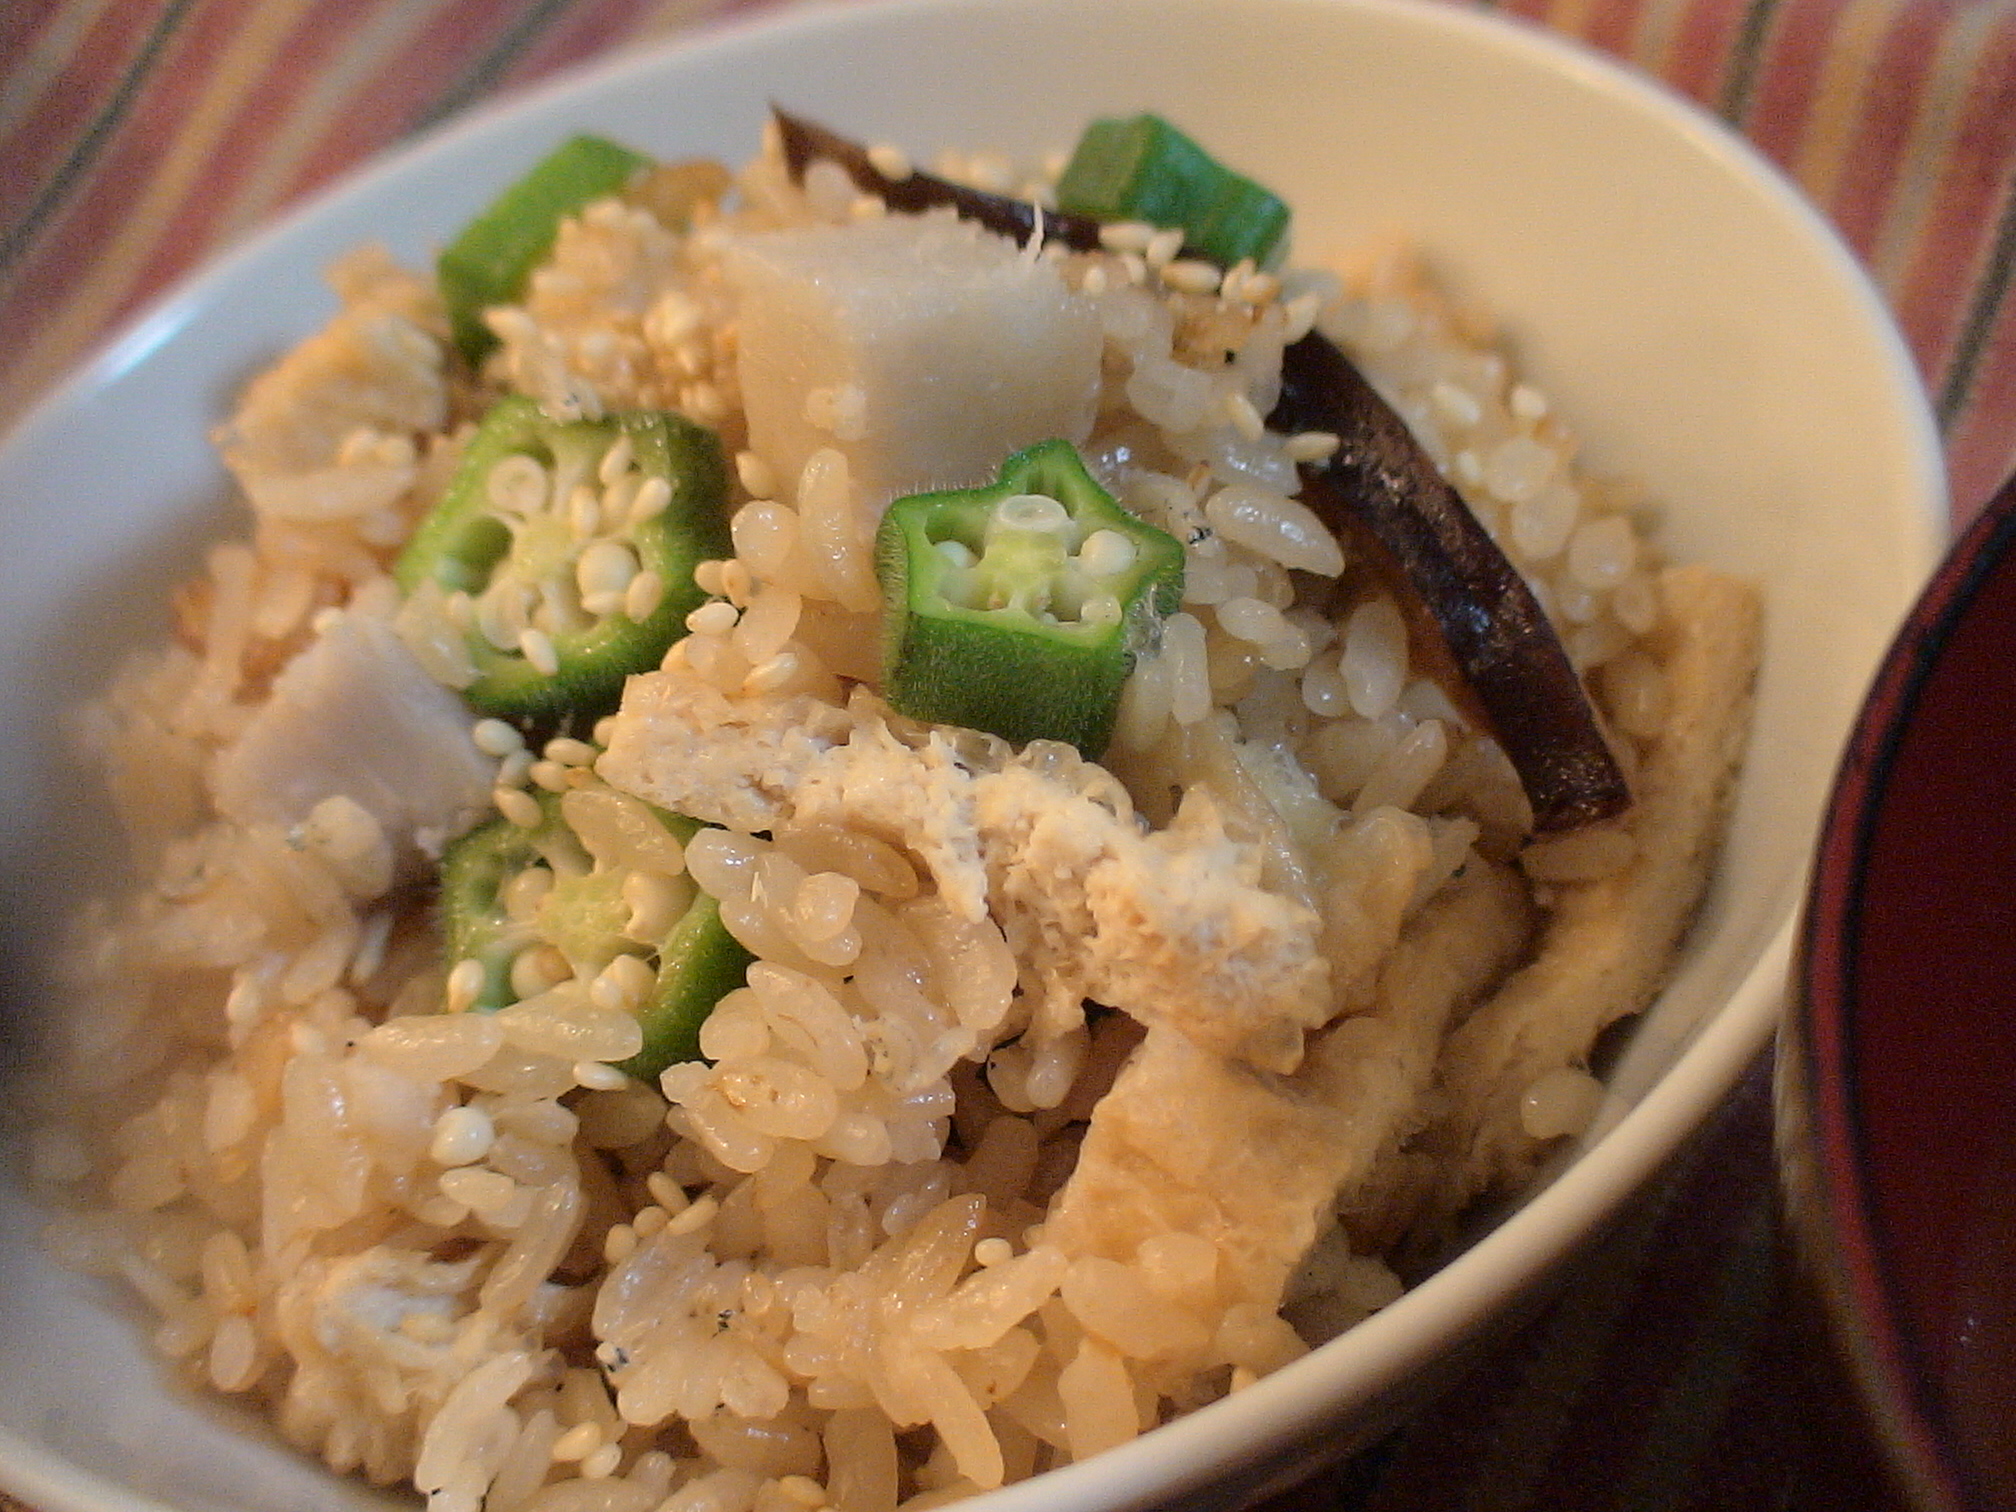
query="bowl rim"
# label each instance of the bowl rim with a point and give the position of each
(1519, 1252)
(1829, 1175)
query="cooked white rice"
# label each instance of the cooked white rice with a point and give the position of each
(853, 1258)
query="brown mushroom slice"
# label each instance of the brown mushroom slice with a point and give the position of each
(1382, 489)
(916, 191)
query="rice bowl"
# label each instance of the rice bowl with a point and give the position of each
(1747, 936)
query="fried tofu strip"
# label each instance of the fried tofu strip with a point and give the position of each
(1172, 926)
(1609, 943)
(1188, 1142)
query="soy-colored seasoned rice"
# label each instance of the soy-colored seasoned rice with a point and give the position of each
(920, 1222)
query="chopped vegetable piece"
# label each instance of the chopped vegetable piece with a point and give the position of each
(566, 550)
(1019, 607)
(920, 348)
(489, 259)
(1381, 486)
(507, 890)
(1144, 169)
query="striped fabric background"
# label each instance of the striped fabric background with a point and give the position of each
(138, 137)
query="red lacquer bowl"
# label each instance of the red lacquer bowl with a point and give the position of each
(1897, 1060)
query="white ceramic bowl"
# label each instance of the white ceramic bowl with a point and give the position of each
(1684, 309)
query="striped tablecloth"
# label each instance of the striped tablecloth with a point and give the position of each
(137, 137)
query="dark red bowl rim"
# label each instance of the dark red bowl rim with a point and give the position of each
(1842, 1230)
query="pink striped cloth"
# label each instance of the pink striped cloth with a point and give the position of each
(137, 137)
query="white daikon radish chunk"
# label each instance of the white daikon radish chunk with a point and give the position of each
(924, 348)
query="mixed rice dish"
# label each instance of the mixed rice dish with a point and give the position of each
(803, 861)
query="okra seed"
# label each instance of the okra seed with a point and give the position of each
(537, 969)
(517, 805)
(616, 461)
(517, 486)
(643, 595)
(584, 512)
(655, 904)
(520, 897)
(606, 567)
(1106, 553)
(1100, 609)
(536, 646)
(1032, 512)
(958, 553)
(494, 622)
(653, 494)
(619, 497)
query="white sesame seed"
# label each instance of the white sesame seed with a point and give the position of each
(772, 673)
(1094, 280)
(756, 475)
(993, 1251)
(619, 1243)
(578, 1442)
(465, 982)
(1163, 246)
(603, 1463)
(1191, 276)
(598, 1077)
(1126, 236)
(1135, 267)
(1299, 316)
(481, 1191)
(666, 1192)
(463, 1134)
(1528, 403)
(1244, 417)
(550, 775)
(695, 1216)
(513, 770)
(1311, 446)
(890, 161)
(716, 617)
